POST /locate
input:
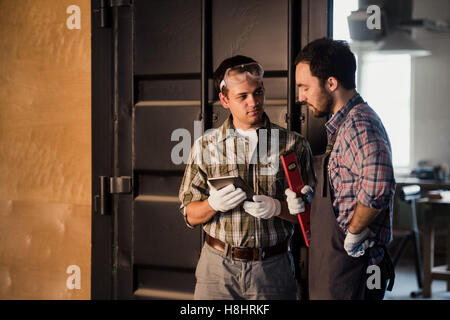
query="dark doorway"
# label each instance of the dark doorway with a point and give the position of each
(152, 64)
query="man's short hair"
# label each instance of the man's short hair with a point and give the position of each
(219, 74)
(330, 58)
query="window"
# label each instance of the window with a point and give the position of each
(384, 81)
(385, 85)
(341, 10)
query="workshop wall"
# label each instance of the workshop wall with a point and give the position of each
(45, 149)
(430, 87)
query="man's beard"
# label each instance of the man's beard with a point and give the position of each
(327, 102)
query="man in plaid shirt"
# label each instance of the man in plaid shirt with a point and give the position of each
(359, 174)
(362, 146)
(246, 254)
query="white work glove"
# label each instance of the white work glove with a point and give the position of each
(263, 207)
(296, 204)
(226, 198)
(356, 243)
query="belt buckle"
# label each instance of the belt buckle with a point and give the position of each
(231, 252)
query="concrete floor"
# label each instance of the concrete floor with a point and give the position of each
(405, 282)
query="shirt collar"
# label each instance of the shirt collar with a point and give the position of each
(336, 120)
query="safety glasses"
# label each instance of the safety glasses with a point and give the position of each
(242, 73)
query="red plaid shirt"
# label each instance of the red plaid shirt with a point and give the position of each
(360, 170)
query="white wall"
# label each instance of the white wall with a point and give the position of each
(431, 87)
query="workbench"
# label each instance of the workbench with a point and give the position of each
(437, 214)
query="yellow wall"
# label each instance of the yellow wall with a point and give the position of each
(45, 149)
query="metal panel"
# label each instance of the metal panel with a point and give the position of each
(276, 88)
(154, 125)
(176, 90)
(161, 237)
(101, 253)
(164, 283)
(167, 36)
(254, 28)
(164, 185)
(123, 149)
(294, 43)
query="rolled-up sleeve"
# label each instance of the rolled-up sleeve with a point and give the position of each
(373, 158)
(194, 184)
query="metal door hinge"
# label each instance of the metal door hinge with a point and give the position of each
(107, 187)
(119, 185)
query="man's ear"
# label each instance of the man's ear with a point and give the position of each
(224, 100)
(331, 84)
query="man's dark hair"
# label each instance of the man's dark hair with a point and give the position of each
(330, 58)
(228, 63)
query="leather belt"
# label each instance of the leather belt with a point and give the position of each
(247, 253)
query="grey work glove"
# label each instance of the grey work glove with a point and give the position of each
(263, 207)
(226, 198)
(357, 243)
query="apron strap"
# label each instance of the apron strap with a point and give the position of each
(390, 270)
(387, 267)
(325, 174)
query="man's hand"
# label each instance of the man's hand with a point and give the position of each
(263, 207)
(356, 244)
(226, 198)
(296, 204)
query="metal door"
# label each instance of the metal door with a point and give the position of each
(152, 74)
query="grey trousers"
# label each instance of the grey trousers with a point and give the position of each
(221, 278)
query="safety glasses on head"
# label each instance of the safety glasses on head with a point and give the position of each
(239, 74)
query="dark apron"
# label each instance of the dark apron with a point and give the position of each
(333, 274)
